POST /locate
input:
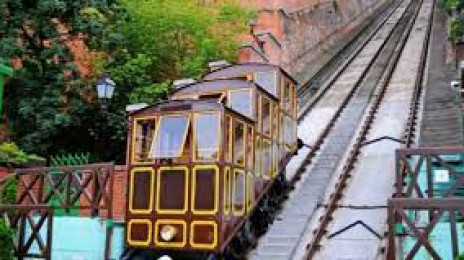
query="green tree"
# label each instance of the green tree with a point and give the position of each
(47, 101)
(167, 40)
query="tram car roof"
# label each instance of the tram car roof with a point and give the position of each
(242, 69)
(187, 105)
(219, 85)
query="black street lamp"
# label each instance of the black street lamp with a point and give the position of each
(105, 91)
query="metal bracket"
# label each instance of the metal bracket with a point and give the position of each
(383, 138)
(359, 222)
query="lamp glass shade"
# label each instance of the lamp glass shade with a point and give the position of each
(101, 90)
(109, 91)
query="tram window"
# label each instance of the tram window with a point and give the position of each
(141, 190)
(144, 130)
(250, 192)
(227, 190)
(249, 148)
(276, 156)
(213, 96)
(266, 161)
(240, 101)
(170, 137)
(288, 97)
(239, 192)
(258, 101)
(267, 80)
(266, 116)
(239, 143)
(289, 130)
(172, 200)
(258, 156)
(205, 190)
(228, 146)
(207, 136)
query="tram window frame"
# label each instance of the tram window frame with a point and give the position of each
(196, 148)
(135, 136)
(182, 146)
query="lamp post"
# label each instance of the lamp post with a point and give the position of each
(105, 91)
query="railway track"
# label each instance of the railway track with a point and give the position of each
(329, 124)
(343, 55)
(397, 88)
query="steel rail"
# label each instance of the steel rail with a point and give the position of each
(330, 82)
(321, 138)
(335, 197)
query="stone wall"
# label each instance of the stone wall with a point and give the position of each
(303, 30)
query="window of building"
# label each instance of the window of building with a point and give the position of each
(142, 138)
(207, 136)
(240, 101)
(170, 137)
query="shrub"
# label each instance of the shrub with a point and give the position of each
(6, 241)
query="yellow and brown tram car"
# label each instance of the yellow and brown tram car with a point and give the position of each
(200, 162)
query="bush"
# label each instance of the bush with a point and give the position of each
(12, 156)
(9, 191)
(6, 241)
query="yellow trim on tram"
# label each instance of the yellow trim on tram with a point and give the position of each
(131, 190)
(216, 189)
(158, 187)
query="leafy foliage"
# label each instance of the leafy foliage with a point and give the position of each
(166, 40)
(46, 99)
(6, 241)
(9, 191)
(12, 156)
